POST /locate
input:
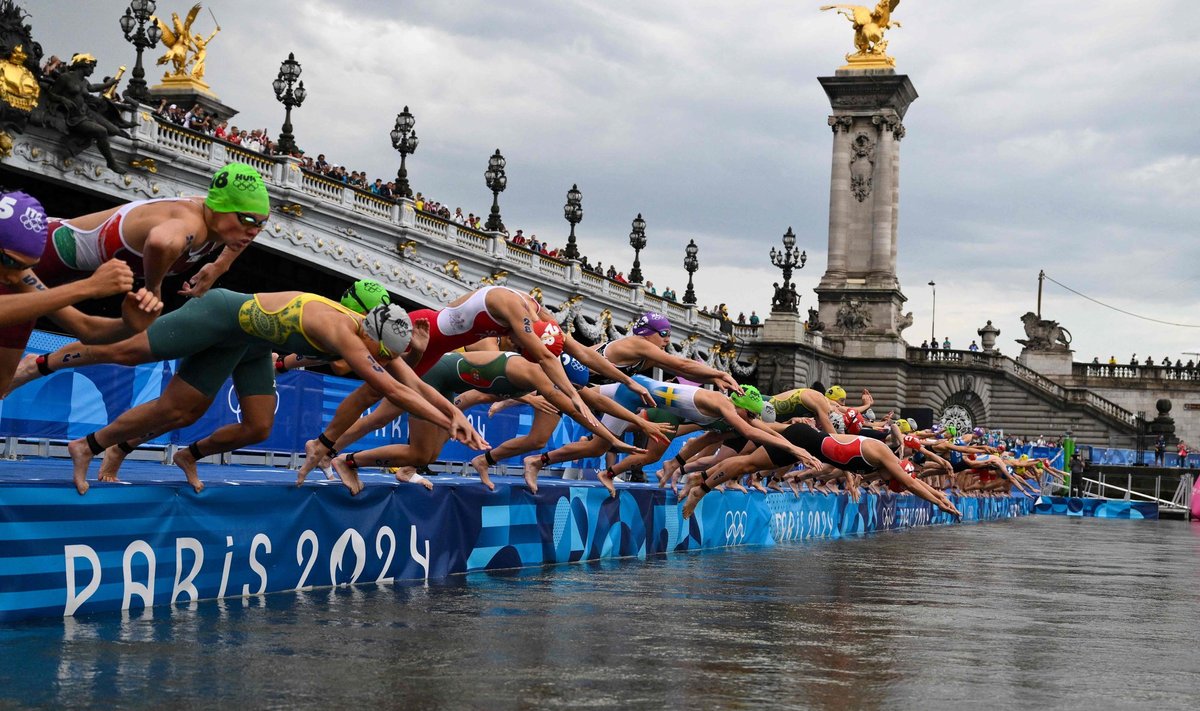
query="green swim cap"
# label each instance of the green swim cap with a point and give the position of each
(238, 188)
(751, 401)
(364, 295)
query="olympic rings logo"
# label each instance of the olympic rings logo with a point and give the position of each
(235, 406)
(735, 526)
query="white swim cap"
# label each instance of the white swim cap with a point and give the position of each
(390, 325)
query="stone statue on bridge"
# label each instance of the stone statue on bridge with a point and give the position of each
(1044, 334)
(74, 106)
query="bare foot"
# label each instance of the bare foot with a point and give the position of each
(607, 481)
(404, 473)
(311, 460)
(668, 473)
(737, 486)
(691, 502)
(185, 461)
(410, 475)
(26, 372)
(81, 458)
(689, 482)
(349, 475)
(483, 470)
(533, 467)
(109, 466)
(759, 486)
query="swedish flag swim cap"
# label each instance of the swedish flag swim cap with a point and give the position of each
(364, 295)
(238, 188)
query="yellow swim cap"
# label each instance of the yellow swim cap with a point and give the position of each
(904, 426)
(836, 392)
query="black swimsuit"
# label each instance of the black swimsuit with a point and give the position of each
(630, 370)
(824, 447)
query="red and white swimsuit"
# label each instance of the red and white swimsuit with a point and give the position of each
(73, 253)
(458, 326)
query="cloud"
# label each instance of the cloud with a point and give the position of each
(1044, 137)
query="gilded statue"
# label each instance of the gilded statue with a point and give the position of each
(184, 47)
(18, 86)
(869, 26)
(200, 44)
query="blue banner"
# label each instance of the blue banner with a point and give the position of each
(1096, 508)
(1129, 457)
(157, 542)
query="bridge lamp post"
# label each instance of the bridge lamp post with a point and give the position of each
(496, 181)
(691, 264)
(787, 260)
(573, 212)
(404, 139)
(637, 240)
(289, 72)
(133, 24)
(933, 320)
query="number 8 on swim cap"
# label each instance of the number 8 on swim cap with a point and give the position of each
(238, 188)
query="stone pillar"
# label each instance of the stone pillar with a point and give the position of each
(859, 296)
(839, 195)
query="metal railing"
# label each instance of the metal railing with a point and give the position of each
(1180, 501)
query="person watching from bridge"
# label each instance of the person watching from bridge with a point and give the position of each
(24, 297)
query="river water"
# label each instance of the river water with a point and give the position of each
(1039, 611)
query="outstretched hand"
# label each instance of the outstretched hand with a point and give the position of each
(461, 431)
(659, 431)
(641, 391)
(622, 447)
(201, 281)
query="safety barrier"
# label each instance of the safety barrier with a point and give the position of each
(252, 531)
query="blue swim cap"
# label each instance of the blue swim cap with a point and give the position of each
(577, 372)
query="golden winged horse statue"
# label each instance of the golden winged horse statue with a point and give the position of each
(869, 26)
(177, 38)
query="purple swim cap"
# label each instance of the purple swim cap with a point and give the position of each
(22, 225)
(651, 322)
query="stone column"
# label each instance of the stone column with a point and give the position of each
(881, 198)
(839, 195)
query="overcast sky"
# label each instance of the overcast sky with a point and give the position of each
(1056, 137)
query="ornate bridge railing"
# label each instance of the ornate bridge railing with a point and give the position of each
(1169, 373)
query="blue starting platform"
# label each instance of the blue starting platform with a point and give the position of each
(151, 540)
(1096, 508)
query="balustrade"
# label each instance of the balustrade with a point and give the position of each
(1136, 372)
(178, 139)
